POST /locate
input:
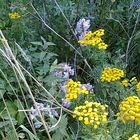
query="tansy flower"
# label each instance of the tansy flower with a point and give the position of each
(73, 89)
(14, 15)
(91, 113)
(135, 137)
(125, 83)
(138, 87)
(111, 74)
(129, 110)
(133, 80)
(94, 39)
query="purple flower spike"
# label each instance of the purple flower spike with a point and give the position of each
(82, 28)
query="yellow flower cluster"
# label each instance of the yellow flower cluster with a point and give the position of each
(138, 87)
(91, 113)
(111, 74)
(14, 15)
(125, 83)
(135, 137)
(133, 80)
(129, 110)
(94, 39)
(73, 89)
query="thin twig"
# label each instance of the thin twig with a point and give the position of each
(131, 37)
(66, 19)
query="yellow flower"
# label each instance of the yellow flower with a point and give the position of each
(14, 15)
(73, 89)
(94, 39)
(125, 83)
(91, 113)
(133, 80)
(129, 110)
(135, 137)
(138, 87)
(111, 74)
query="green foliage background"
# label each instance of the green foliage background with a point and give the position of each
(43, 49)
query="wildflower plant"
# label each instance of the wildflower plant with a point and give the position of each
(135, 137)
(62, 75)
(125, 83)
(94, 39)
(129, 110)
(74, 89)
(82, 28)
(45, 110)
(91, 113)
(138, 87)
(111, 74)
(14, 15)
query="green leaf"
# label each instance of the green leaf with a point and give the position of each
(31, 135)
(12, 108)
(37, 43)
(20, 115)
(46, 44)
(50, 44)
(60, 129)
(11, 135)
(138, 10)
(42, 55)
(6, 123)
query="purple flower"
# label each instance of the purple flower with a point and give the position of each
(59, 74)
(63, 89)
(66, 103)
(82, 26)
(64, 71)
(89, 87)
(37, 124)
(81, 36)
(33, 112)
(45, 110)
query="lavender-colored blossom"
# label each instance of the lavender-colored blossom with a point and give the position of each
(82, 28)
(51, 112)
(34, 112)
(82, 25)
(37, 124)
(59, 74)
(89, 87)
(64, 71)
(81, 36)
(44, 110)
(66, 103)
(63, 89)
